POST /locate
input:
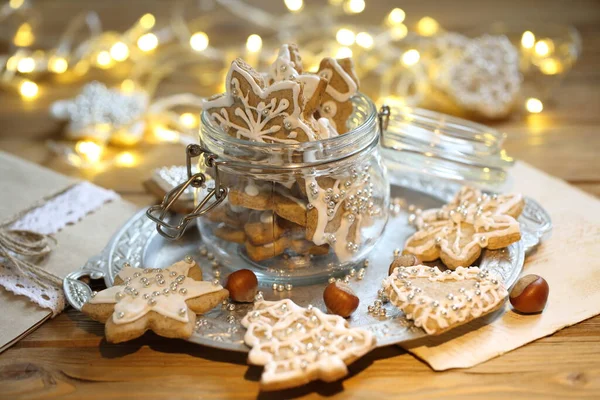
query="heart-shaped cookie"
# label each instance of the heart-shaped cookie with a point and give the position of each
(439, 301)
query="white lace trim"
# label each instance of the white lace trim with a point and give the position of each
(58, 212)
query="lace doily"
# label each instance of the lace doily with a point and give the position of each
(66, 208)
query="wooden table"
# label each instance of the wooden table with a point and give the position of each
(68, 358)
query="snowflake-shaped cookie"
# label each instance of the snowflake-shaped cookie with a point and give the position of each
(165, 301)
(297, 345)
(254, 111)
(456, 232)
(438, 301)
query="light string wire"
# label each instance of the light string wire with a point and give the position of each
(408, 66)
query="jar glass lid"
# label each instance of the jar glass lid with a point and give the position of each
(444, 146)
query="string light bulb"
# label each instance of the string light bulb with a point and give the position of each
(119, 51)
(528, 40)
(58, 65)
(199, 41)
(90, 151)
(344, 52)
(103, 59)
(399, 32)
(254, 43)
(364, 40)
(24, 36)
(188, 120)
(544, 47)
(396, 16)
(147, 21)
(163, 134)
(411, 57)
(14, 4)
(551, 66)
(534, 106)
(147, 42)
(294, 5)
(127, 86)
(125, 159)
(28, 89)
(345, 37)
(427, 26)
(26, 65)
(354, 6)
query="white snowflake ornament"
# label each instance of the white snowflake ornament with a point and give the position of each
(99, 112)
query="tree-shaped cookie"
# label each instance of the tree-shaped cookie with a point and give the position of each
(297, 345)
(165, 301)
(438, 301)
(336, 105)
(251, 110)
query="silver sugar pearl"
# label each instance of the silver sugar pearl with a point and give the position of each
(120, 314)
(182, 312)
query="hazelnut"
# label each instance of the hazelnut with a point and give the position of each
(529, 295)
(340, 299)
(242, 285)
(405, 260)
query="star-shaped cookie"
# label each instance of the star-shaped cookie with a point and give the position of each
(165, 301)
(457, 232)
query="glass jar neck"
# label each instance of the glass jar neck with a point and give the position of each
(363, 134)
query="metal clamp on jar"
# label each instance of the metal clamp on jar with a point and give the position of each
(299, 212)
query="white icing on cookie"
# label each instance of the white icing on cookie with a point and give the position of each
(297, 345)
(251, 189)
(160, 290)
(448, 234)
(256, 117)
(333, 92)
(438, 301)
(351, 196)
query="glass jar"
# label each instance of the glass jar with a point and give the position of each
(297, 213)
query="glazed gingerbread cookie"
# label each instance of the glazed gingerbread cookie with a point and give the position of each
(251, 110)
(268, 250)
(475, 202)
(337, 209)
(439, 301)
(457, 233)
(165, 301)
(297, 345)
(336, 104)
(287, 65)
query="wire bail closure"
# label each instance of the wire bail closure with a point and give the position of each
(159, 213)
